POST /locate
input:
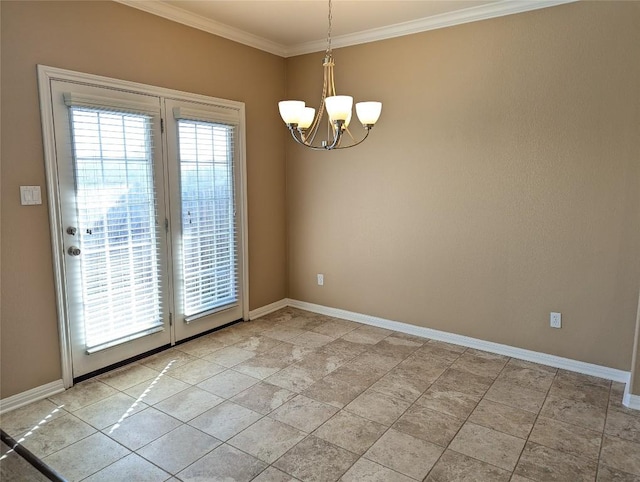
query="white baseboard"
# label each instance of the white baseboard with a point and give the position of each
(511, 351)
(30, 396)
(270, 308)
(629, 400)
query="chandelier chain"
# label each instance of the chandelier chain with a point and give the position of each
(330, 16)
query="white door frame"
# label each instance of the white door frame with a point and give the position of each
(45, 75)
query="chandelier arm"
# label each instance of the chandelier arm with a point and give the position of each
(313, 129)
(332, 80)
(293, 130)
(350, 134)
(326, 82)
(320, 113)
(357, 143)
(311, 133)
(301, 140)
(337, 136)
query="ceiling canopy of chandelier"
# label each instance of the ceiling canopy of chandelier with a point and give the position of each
(303, 123)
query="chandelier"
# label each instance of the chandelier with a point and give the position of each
(304, 124)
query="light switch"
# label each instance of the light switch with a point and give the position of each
(30, 195)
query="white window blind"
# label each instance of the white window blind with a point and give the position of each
(116, 210)
(209, 231)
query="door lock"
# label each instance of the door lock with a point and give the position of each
(72, 231)
(73, 251)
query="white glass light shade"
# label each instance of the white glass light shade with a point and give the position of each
(339, 107)
(306, 118)
(368, 112)
(291, 111)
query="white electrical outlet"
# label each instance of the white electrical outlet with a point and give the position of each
(320, 279)
(555, 320)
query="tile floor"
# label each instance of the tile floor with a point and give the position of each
(300, 396)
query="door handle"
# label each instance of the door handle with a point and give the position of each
(73, 251)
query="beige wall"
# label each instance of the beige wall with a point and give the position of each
(113, 40)
(501, 183)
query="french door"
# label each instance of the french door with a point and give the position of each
(204, 178)
(147, 217)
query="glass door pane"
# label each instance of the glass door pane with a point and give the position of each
(208, 223)
(116, 210)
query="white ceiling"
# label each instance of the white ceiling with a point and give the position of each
(294, 27)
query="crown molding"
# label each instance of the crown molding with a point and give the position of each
(473, 14)
(177, 14)
(449, 19)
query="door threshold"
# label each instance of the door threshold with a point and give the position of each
(133, 359)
